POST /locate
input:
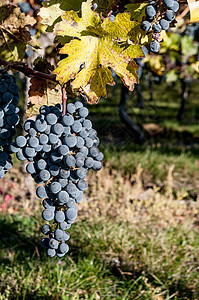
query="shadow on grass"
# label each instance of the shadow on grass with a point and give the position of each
(15, 239)
(23, 244)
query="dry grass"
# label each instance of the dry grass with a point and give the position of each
(128, 243)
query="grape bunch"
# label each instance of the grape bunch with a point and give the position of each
(60, 150)
(9, 98)
(159, 15)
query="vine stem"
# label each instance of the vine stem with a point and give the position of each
(64, 100)
(26, 70)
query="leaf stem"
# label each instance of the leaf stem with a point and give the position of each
(26, 70)
(64, 100)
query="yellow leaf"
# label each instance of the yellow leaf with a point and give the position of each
(52, 10)
(96, 47)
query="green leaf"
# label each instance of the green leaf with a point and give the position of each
(172, 76)
(137, 10)
(188, 46)
(97, 46)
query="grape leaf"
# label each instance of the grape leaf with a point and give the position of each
(51, 11)
(42, 92)
(14, 31)
(137, 10)
(97, 46)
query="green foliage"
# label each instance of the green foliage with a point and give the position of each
(182, 52)
(137, 10)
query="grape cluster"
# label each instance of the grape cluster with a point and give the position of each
(9, 98)
(170, 7)
(60, 150)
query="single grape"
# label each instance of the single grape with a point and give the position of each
(53, 138)
(150, 11)
(45, 229)
(47, 148)
(43, 139)
(51, 252)
(57, 129)
(20, 155)
(32, 132)
(63, 182)
(33, 142)
(63, 196)
(29, 152)
(72, 190)
(175, 7)
(64, 172)
(41, 192)
(59, 216)
(30, 168)
(20, 141)
(165, 25)
(67, 120)
(83, 112)
(80, 142)
(89, 162)
(53, 243)
(63, 150)
(45, 242)
(70, 161)
(169, 15)
(63, 248)
(56, 157)
(48, 203)
(54, 170)
(154, 46)
(82, 185)
(71, 108)
(44, 175)
(112, 18)
(157, 28)
(78, 105)
(76, 127)
(48, 214)
(71, 214)
(51, 119)
(100, 156)
(55, 187)
(3, 87)
(88, 142)
(7, 97)
(84, 132)
(64, 225)
(70, 140)
(40, 125)
(94, 151)
(59, 234)
(81, 173)
(13, 88)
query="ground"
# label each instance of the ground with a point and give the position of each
(136, 235)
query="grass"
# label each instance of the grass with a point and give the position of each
(168, 141)
(122, 247)
(136, 235)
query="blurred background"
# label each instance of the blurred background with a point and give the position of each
(136, 235)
